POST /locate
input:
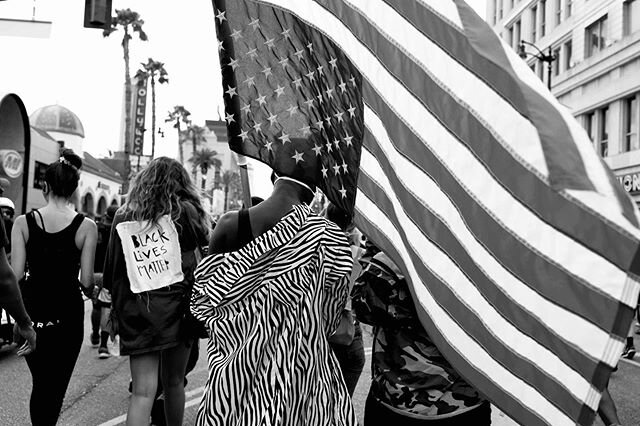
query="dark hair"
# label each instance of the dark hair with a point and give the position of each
(338, 216)
(63, 175)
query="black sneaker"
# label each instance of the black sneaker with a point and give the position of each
(629, 352)
(95, 338)
(103, 352)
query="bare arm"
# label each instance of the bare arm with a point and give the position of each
(10, 297)
(225, 230)
(87, 257)
(19, 238)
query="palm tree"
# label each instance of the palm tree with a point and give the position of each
(197, 134)
(131, 23)
(231, 183)
(179, 115)
(154, 69)
(205, 159)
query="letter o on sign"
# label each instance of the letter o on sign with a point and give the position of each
(12, 163)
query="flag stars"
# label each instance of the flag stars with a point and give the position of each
(338, 116)
(306, 131)
(309, 103)
(270, 43)
(299, 54)
(343, 192)
(310, 75)
(279, 91)
(220, 45)
(353, 81)
(246, 108)
(342, 86)
(258, 127)
(267, 72)
(298, 156)
(284, 138)
(320, 70)
(233, 63)
(328, 120)
(220, 16)
(336, 142)
(230, 118)
(329, 93)
(244, 135)
(286, 33)
(347, 140)
(273, 119)
(344, 167)
(310, 47)
(320, 99)
(292, 109)
(231, 91)
(253, 53)
(262, 100)
(250, 81)
(317, 149)
(236, 34)
(324, 171)
(268, 144)
(297, 83)
(329, 147)
(255, 24)
(320, 125)
(284, 62)
(336, 170)
(352, 111)
(333, 62)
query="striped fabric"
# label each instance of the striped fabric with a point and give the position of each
(270, 307)
(520, 245)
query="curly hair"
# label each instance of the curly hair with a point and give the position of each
(165, 188)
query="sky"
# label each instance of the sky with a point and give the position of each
(78, 68)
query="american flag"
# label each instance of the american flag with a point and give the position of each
(520, 246)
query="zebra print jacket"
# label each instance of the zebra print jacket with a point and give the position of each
(269, 308)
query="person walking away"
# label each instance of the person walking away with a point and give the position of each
(8, 210)
(346, 342)
(101, 310)
(51, 246)
(271, 293)
(412, 383)
(149, 269)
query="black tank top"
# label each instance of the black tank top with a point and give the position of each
(53, 265)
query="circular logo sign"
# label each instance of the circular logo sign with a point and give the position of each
(12, 163)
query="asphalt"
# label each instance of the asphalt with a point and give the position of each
(98, 394)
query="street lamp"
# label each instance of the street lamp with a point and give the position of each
(541, 56)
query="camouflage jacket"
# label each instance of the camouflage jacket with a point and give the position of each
(408, 372)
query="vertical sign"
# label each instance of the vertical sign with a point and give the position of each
(139, 104)
(15, 141)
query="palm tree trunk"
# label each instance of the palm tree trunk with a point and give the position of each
(153, 115)
(195, 143)
(226, 197)
(180, 142)
(127, 108)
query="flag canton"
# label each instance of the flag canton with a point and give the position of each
(292, 99)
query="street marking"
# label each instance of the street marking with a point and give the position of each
(123, 418)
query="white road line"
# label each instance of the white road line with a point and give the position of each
(123, 418)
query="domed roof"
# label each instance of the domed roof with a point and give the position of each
(57, 118)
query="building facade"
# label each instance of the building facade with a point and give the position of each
(596, 68)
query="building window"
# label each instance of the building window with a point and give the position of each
(631, 123)
(510, 36)
(631, 16)
(556, 63)
(595, 36)
(568, 55)
(543, 17)
(516, 33)
(568, 9)
(558, 12)
(500, 9)
(603, 140)
(534, 23)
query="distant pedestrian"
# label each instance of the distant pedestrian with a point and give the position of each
(101, 311)
(149, 270)
(51, 246)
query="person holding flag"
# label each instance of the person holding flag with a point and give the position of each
(517, 243)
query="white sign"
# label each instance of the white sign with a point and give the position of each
(12, 163)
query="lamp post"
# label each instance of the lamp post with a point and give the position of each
(541, 56)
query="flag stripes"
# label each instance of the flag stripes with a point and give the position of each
(517, 241)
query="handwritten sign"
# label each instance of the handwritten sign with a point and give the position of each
(152, 254)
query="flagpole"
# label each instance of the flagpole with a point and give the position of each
(244, 177)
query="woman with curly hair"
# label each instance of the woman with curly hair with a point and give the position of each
(149, 269)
